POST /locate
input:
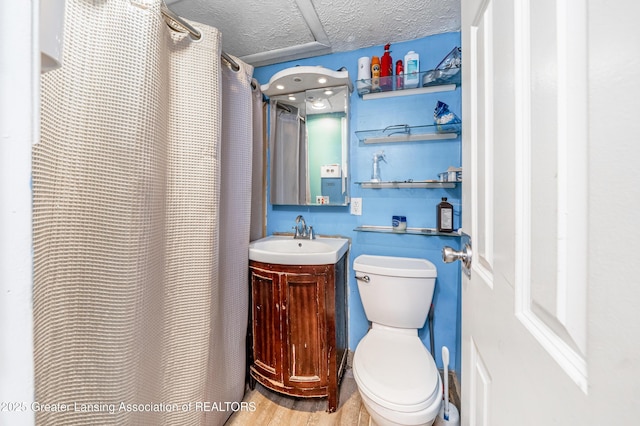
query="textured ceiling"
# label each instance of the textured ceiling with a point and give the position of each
(271, 31)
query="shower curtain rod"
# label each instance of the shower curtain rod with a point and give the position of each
(195, 34)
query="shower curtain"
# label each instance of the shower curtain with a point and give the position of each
(289, 159)
(259, 161)
(140, 239)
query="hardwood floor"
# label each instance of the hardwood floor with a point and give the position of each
(274, 409)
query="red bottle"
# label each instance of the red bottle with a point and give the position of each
(399, 74)
(386, 69)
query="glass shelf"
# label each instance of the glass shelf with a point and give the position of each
(411, 231)
(409, 184)
(388, 86)
(406, 133)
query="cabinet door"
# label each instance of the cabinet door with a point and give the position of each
(305, 349)
(266, 324)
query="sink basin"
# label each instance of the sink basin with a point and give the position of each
(284, 250)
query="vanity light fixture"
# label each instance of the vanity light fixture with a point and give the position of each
(319, 104)
(302, 78)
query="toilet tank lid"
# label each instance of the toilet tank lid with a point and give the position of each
(395, 266)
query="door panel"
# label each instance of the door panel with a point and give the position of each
(551, 181)
(481, 389)
(481, 134)
(304, 313)
(533, 341)
(267, 334)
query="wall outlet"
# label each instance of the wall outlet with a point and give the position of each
(356, 206)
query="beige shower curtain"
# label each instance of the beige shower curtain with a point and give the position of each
(138, 319)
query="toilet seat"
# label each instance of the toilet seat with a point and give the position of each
(396, 371)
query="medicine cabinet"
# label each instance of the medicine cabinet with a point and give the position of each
(308, 136)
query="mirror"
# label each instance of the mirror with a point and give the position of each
(309, 144)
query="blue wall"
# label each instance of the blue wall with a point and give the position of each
(415, 160)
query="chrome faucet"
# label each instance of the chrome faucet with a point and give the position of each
(301, 229)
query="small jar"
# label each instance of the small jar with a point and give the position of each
(399, 223)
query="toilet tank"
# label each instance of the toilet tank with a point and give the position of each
(398, 290)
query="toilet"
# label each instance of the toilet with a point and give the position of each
(396, 375)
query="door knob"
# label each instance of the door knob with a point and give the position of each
(450, 255)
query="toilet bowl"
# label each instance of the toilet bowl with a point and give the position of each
(395, 374)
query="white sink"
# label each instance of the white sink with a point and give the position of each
(285, 250)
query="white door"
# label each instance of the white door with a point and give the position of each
(551, 200)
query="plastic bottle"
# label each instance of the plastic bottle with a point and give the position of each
(386, 69)
(364, 75)
(444, 221)
(375, 73)
(399, 75)
(411, 70)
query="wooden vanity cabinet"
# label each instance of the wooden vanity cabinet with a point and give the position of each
(299, 328)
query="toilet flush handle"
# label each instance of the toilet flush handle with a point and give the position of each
(364, 278)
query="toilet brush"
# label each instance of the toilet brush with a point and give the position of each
(448, 412)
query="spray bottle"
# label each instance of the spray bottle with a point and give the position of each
(375, 73)
(375, 172)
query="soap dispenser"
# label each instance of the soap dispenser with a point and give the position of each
(375, 172)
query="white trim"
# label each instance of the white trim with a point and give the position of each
(573, 364)
(522, 153)
(567, 358)
(562, 158)
(488, 140)
(19, 85)
(481, 374)
(482, 268)
(285, 54)
(320, 46)
(572, 169)
(315, 25)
